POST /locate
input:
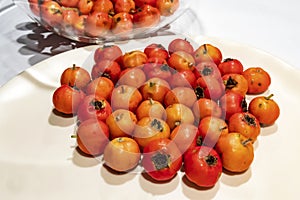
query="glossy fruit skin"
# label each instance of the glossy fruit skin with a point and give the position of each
(127, 6)
(146, 17)
(94, 107)
(202, 166)
(155, 88)
(51, 13)
(134, 77)
(103, 6)
(75, 76)
(236, 152)
(184, 78)
(207, 69)
(68, 3)
(178, 114)
(208, 52)
(135, 58)
(66, 99)
(92, 137)
(141, 3)
(70, 16)
(211, 87)
(167, 7)
(231, 66)
(98, 24)
(258, 79)
(232, 102)
(125, 97)
(100, 86)
(161, 159)
(149, 129)
(106, 68)
(185, 136)
(183, 95)
(211, 129)
(121, 123)
(158, 70)
(204, 107)
(236, 83)
(265, 109)
(79, 24)
(180, 44)
(108, 52)
(85, 6)
(156, 50)
(122, 24)
(150, 108)
(122, 154)
(246, 124)
(181, 60)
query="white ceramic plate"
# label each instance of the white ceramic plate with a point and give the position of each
(38, 159)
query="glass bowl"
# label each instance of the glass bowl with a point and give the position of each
(101, 24)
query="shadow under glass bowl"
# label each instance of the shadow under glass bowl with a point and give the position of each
(69, 31)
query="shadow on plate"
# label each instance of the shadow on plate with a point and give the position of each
(81, 159)
(112, 177)
(192, 191)
(235, 179)
(269, 130)
(158, 188)
(62, 120)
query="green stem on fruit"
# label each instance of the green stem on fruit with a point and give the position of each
(151, 101)
(73, 136)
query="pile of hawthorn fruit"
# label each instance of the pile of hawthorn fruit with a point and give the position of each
(101, 18)
(168, 108)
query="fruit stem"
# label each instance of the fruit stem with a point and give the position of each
(151, 101)
(269, 97)
(205, 49)
(247, 141)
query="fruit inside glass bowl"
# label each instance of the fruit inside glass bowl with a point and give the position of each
(98, 21)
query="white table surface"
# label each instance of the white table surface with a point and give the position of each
(269, 25)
